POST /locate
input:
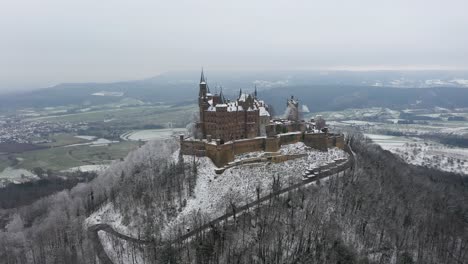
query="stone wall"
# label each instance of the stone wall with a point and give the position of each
(316, 141)
(221, 154)
(290, 138)
(335, 140)
(272, 144)
(193, 147)
(248, 145)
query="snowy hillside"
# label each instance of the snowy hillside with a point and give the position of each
(215, 193)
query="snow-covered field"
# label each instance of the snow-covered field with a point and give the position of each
(96, 143)
(391, 142)
(151, 134)
(86, 168)
(13, 175)
(86, 137)
(425, 152)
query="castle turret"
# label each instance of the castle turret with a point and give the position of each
(203, 89)
(292, 110)
(202, 103)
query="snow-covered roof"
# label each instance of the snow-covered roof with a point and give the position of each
(221, 105)
(263, 111)
(243, 97)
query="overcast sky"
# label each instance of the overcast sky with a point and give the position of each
(45, 42)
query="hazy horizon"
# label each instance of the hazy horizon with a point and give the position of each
(50, 42)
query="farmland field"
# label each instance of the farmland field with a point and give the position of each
(151, 134)
(425, 152)
(129, 117)
(62, 158)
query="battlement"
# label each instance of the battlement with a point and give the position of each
(222, 154)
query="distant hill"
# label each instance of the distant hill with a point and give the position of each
(319, 91)
(82, 94)
(338, 97)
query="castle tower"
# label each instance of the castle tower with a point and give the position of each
(292, 110)
(203, 89)
(202, 103)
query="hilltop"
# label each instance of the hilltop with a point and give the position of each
(357, 217)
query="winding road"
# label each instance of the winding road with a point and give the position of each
(104, 258)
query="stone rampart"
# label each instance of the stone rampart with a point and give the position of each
(221, 154)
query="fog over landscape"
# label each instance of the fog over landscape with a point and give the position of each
(48, 42)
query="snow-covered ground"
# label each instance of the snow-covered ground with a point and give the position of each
(391, 142)
(86, 137)
(120, 251)
(109, 215)
(13, 175)
(151, 134)
(425, 152)
(96, 143)
(214, 193)
(86, 168)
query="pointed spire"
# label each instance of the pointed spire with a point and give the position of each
(221, 95)
(240, 92)
(202, 77)
(255, 93)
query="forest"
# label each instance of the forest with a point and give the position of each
(16, 195)
(382, 211)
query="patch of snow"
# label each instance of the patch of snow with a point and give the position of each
(119, 250)
(86, 137)
(87, 168)
(151, 134)
(109, 215)
(97, 143)
(425, 153)
(106, 93)
(12, 175)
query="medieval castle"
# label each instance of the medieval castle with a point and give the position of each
(245, 117)
(227, 128)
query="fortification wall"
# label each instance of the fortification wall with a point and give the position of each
(248, 145)
(316, 141)
(290, 138)
(221, 154)
(335, 140)
(272, 144)
(193, 147)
